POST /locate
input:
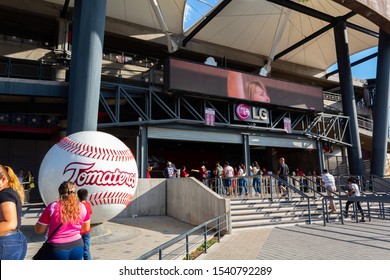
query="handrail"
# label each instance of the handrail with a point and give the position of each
(203, 227)
(288, 185)
(383, 184)
(291, 187)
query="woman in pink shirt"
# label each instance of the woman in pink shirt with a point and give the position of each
(71, 216)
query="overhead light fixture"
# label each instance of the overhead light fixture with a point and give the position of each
(264, 71)
(210, 61)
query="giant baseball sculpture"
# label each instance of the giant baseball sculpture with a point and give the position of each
(96, 161)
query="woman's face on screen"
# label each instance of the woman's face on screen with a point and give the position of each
(259, 94)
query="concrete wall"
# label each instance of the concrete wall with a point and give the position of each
(149, 199)
(190, 201)
(185, 199)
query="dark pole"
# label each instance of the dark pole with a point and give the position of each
(247, 153)
(348, 96)
(86, 64)
(381, 106)
(144, 151)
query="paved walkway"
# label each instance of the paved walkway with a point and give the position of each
(129, 238)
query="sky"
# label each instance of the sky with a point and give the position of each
(367, 70)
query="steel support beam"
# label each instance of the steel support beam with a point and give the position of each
(208, 18)
(348, 96)
(381, 107)
(85, 73)
(303, 9)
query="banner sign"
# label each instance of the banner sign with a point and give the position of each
(209, 116)
(287, 125)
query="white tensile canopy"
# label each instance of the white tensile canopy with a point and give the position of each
(260, 27)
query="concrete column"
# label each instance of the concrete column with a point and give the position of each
(86, 64)
(381, 107)
(348, 96)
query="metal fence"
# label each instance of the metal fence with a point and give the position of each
(193, 240)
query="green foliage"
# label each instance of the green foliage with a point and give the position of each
(201, 248)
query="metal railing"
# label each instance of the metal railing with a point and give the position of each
(365, 123)
(27, 69)
(181, 246)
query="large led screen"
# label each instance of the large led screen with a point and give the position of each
(203, 79)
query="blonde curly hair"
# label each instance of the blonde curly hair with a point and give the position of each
(68, 203)
(13, 181)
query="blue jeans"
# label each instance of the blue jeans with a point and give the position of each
(13, 247)
(75, 253)
(256, 184)
(65, 251)
(243, 183)
(87, 243)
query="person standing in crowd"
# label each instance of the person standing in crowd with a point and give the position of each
(170, 171)
(183, 172)
(148, 170)
(256, 179)
(228, 174)
(69, 217)
(86, 236)
(28, 185)
(283, 172)
(353, 191)
(21, 176)
(242, 181)
(327, 180)
(218, 170)
(203, 174)
(299, 172)
(13, 243)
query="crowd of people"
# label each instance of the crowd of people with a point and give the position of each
(66, 221)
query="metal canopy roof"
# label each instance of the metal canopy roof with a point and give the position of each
(260, 27)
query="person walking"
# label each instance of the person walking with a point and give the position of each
(283, 171)
(13, 243)
(353, 191)
(67, 217)
(327, 180)
(85, 235)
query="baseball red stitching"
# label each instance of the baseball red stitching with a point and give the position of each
(105, 197)
(90, 151)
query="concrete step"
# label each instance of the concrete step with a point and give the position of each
(236, 215)
(281, 221)
(257, 212)
(261, 206)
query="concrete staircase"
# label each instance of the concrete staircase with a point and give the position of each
(251, 212)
